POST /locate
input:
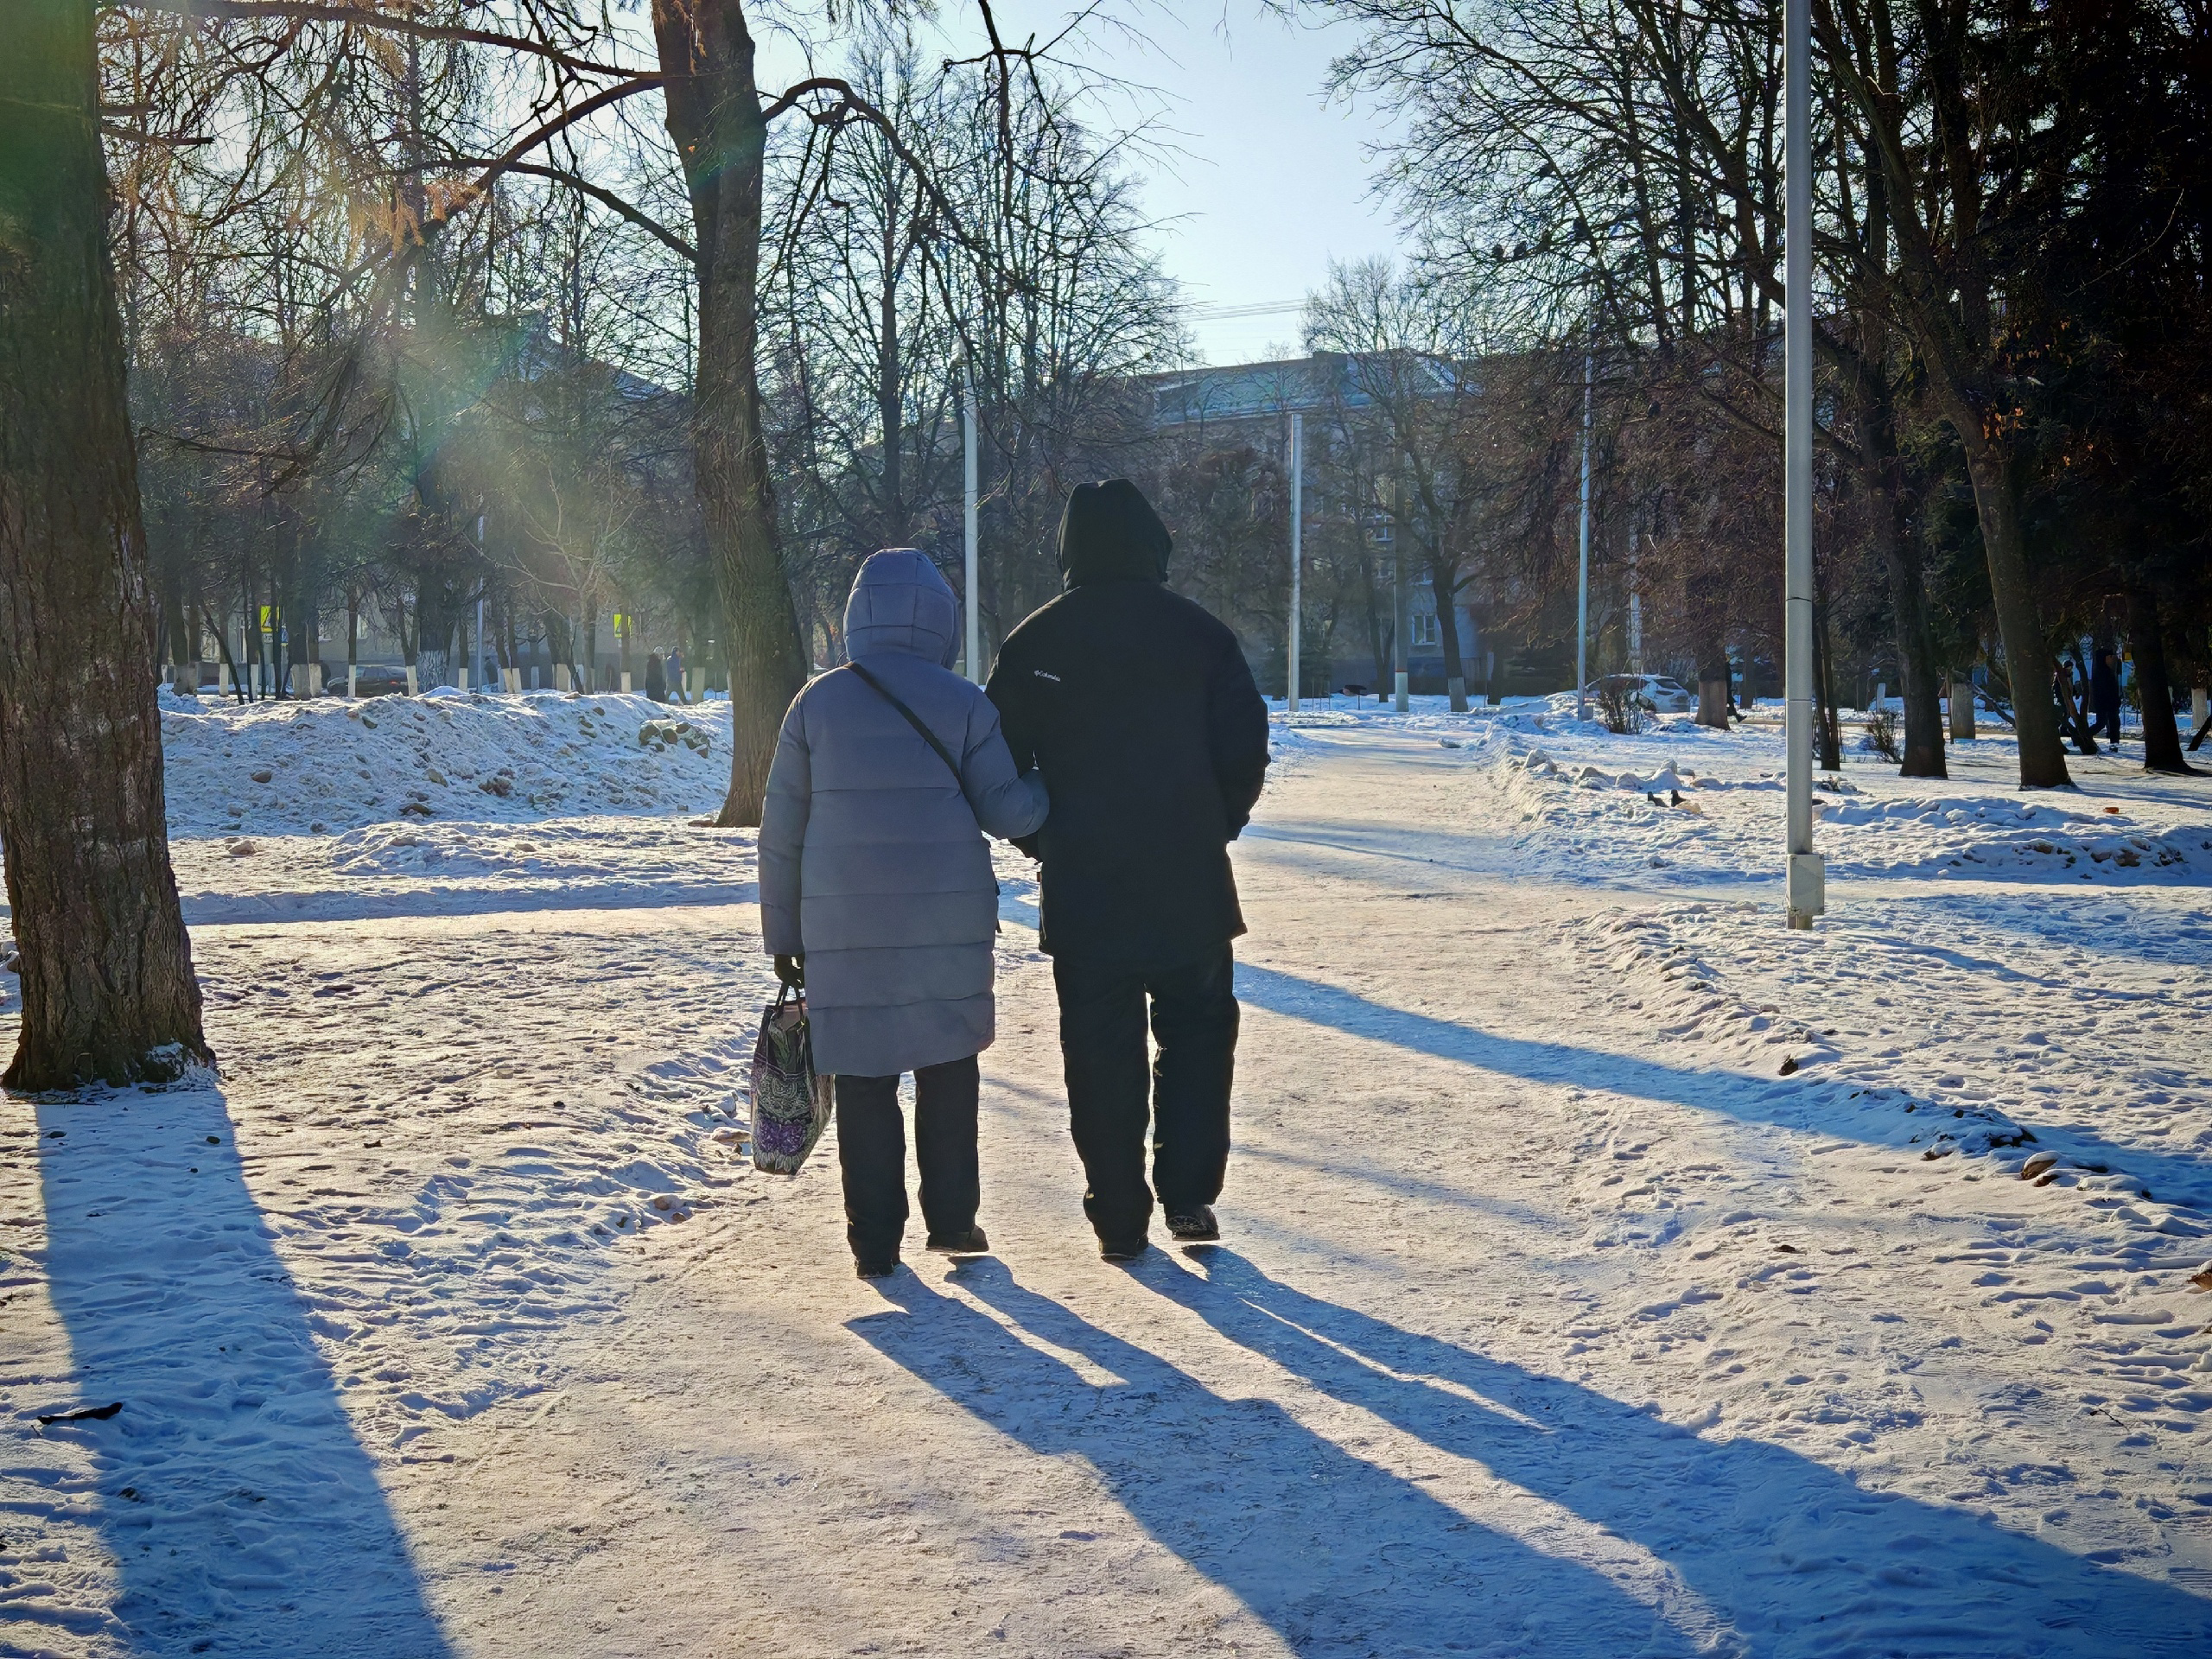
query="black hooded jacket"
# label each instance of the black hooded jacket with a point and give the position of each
(2104, 687)
(1141, 712)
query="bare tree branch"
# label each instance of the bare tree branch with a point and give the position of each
(370, 16)
(583, 186)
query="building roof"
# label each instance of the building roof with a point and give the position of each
(1243, 391)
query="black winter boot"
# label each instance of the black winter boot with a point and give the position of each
(1196, 1226)
(972, 1242)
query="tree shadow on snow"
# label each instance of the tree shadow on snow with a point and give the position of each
(2097, 921)
(1747, 1098)
(1334, 1554)
(1472, 852)
(1469, 852)
(243, 1514)
(368, 905)
(1789, 1555)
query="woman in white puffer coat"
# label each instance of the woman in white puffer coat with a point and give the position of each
(877, 895)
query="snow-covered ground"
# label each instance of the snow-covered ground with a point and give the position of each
(1608, 1270)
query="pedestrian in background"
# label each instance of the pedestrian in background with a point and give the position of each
(656, 679)
(676, 686)
(1139, 708)
(2072, 718)
(877, 896)
(2104, 695)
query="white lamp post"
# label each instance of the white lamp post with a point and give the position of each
(1297, 546)
(974, 623)
(1805, 879)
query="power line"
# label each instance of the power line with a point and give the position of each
(1224, 312)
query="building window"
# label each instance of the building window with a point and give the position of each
(1421, 630)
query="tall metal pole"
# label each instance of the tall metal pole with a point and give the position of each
(1582, 577)
(478, 665)
(1399, 697)
(1805, 877)
(974, 616)
(1635, 603)
(1297, 548)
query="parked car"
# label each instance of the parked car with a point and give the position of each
(370, 680)
(1656, 691)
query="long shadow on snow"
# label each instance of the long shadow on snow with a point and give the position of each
(1334, 1553)
(1732, 1094)
(2179, 936)
(1474, 853)
(1792, 1556)
(353, 904)
(1336, 1169)
(243, 1513)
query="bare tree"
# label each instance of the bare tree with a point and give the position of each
(106, 969)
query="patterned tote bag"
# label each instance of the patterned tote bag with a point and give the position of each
(790, 1105)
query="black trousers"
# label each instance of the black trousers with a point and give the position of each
(872, 1156)
(1193, 1018)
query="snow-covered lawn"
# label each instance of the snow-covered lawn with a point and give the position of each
(1608, 1271)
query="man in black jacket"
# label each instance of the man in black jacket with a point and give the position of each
(2104, 697)
(1141, 711)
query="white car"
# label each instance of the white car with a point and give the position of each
(1661, 695)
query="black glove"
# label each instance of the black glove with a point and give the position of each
(1032, 845)
(792, 971)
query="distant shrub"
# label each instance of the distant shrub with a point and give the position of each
(1882, 732)
(1621, 709)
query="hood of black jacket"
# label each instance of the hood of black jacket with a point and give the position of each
(1110, 533)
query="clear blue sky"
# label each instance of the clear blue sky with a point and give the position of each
(1271, 182)
(1255, 181)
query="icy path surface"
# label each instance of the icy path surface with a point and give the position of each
(1606, 1271)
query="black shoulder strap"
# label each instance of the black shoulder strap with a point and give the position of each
(914, 721)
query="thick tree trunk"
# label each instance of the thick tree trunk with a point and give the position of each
(714, 116)
(1883, 476)
(1949, 308)
(192, 671)
(2146, 638)
(1997, 507)
(183, 649)
(560, 643)
(1443, 583)
(437, 617)
(1828, 733)
(106, 969)
(1713, 687)
(1375, 638)
(230, 663)
(250, 639)
(1963, 710)
(1919, 678)
(306, 641)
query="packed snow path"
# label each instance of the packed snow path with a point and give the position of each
(1606, 1272)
